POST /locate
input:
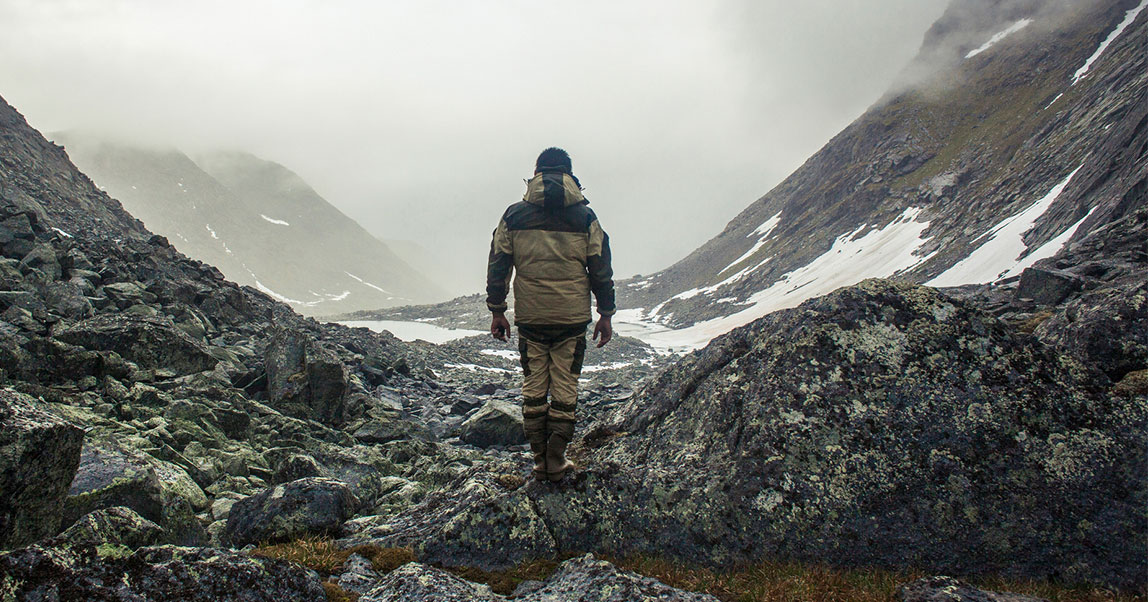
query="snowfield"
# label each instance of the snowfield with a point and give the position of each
(999, 256)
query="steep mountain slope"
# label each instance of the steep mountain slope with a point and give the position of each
(255, 220)
(1021, 126)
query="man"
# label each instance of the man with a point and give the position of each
(559, 255)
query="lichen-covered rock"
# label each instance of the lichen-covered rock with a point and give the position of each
(948, 589)
(304, 379)
(588, 579)
(152, 343)
(118, 526)
(585, 579)
(884, 424)
(39, 454)
(414, 582)
(159, 491)
(496, 423)
(1107, 328)
(159, 574)
(358, 575)
(308, 506)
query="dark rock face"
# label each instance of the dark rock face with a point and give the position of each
(889, 424)
(947, 589)
(304, 379)
(162, 574)
(496, 423)
(151, 343)
(305, 507)
(39, 454)
(117, 526)
(1047, 287)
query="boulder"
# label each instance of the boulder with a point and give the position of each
(161, 492)
(156, 574)
(1106, 328)
(948, 589)
(588, 579)
(358, 575)
(304, 379)
(39, 454)
(498, 422)
(42, 258)
(309, 506)
(413, 581)
(118, 526)
(382, 429)
(1047, 286)
(585, 579)
(152, 343)
(295, 467)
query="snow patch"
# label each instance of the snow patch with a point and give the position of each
(413, 331)
(1000, 253)
(62, 233)
(1129, 17)
(381, 290)
(274, 295)
(274, 221)
(213, 234)
(503, 353)
(1015, 27)
(476, 368)
(879, 253)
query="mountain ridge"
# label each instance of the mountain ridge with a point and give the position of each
(228, 208)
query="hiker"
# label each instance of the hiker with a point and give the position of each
(559, 255)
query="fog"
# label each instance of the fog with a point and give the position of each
(421, 119)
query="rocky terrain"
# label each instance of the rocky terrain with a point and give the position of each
(258, 222)
(158, 421)
(986, 158)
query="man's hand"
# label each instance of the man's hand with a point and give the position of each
(499, 326)
(605, 329)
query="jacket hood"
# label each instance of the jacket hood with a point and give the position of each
(553, 190)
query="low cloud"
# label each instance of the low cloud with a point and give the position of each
(420, 119)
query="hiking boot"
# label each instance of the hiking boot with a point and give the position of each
(556, 463)
(538, 449)
(534, 428)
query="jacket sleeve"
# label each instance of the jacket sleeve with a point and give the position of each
(598, 266)
(499, 267)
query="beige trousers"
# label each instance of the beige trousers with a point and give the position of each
(550, 386)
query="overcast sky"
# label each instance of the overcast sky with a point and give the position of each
(421, 118)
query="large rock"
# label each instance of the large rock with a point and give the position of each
(418, 582)
(304, 379)
(496, 423)
(948, 589)
(152, 343)
(162, 492)
(308, 506)
(1107, 328)
(157, 574)
(1047, 286)
(588, 579)
(39, 454)
(118, 525)
(585, 579)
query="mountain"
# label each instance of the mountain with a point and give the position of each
(156, 419)
(1018, 129)
(255, 220)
